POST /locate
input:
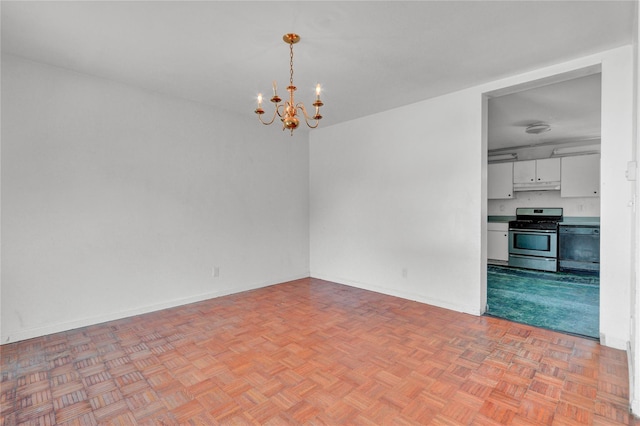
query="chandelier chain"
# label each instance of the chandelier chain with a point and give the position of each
(291, 63)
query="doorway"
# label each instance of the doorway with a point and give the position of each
(530, 127)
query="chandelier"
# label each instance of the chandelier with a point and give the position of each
(288, 112)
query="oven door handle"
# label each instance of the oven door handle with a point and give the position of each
(533, 231)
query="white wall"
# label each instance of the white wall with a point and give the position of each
(405, 191)
(395, 202)
(572, 206)
(117, 201)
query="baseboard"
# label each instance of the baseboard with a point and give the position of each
(634, 403)
(31, 333)
(401, 294)
(613, 342)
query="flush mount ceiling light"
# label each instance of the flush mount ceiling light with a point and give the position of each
(288, 111)
(537, 128)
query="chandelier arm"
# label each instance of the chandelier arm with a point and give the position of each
(266, 123)
(301, 107)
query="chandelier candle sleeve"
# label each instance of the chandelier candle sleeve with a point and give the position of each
(288, 112)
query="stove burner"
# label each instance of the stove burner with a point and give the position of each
(531, 224)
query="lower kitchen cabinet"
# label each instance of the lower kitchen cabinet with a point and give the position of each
(498, 241)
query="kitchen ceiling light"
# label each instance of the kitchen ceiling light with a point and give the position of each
(503, 157)
(574, 150)
(537, 128)
(289, 110)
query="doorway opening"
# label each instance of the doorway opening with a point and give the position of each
(543, 143)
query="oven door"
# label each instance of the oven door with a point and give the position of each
(529, 242)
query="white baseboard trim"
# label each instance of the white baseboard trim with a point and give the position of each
(634, 403)
(401, 294)
(635, 407)
(31, 333)
(613, 342)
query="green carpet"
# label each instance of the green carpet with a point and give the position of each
(557, 301)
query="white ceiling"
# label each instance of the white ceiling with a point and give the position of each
(571, 108)
(369, 56)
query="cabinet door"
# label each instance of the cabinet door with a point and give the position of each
(500, 181)
(498, 245)
(548, 170)
(524, 171)
(580, 176)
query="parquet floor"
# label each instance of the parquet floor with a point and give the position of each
(312, 352)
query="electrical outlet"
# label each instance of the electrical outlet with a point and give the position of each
(405, 273)
(215, 272)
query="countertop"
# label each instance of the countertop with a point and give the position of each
(567, 220)
(586, 221)
(501, 218)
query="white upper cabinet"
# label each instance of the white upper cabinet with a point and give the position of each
(574, 176)
(524, 171)
(536, 171)
(500, 181)
(548, 170)
(581, 176)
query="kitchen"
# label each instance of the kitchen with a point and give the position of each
(543, 228)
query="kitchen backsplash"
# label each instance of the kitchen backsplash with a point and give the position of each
(572, 206)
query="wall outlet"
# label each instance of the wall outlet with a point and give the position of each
(405, 273)
(215, 272)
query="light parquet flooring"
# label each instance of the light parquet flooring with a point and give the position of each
(312, 352)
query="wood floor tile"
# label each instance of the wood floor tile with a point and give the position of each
(312, 352)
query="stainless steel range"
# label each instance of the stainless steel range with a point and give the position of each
(533, 238)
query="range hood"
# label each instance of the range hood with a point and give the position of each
(537, 186)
